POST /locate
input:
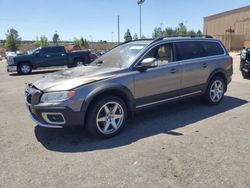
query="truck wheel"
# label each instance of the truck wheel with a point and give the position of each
(24, 68)
(106, 117)
(215, 91)
(79, 62)
(245, 74)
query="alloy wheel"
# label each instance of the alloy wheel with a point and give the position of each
(25, 69)
(110, 117)
(216, 91)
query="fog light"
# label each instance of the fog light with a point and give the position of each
(54, 118)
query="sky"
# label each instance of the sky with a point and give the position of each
(97, 19)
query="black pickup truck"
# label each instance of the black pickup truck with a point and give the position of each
(49, 56)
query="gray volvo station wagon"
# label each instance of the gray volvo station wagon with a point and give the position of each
(130, 77)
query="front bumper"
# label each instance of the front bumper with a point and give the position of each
(53, 115)
(69, 118)
(11, 68)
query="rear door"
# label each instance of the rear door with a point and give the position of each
(159, 84)
(58, 56)
(196, 67)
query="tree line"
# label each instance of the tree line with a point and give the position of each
(181, 29)
(13, 40)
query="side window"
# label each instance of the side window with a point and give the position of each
(212, 48)
(189, 50)
(47, 50)
(162, 53)
(56, 50)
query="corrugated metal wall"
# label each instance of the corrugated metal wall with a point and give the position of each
(237, 21)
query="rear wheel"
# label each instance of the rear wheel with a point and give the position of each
(106, 117)
(215, 91)
(79, 62)
(24, 68)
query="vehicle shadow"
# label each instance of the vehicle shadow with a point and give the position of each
(159, 120)
(36, 72)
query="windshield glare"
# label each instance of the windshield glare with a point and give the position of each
(120, 57)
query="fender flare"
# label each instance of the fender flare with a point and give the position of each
(106, 88)
(216, 71)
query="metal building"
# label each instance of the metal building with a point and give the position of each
(231, 27)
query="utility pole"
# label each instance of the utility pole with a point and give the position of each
(112, 37)
(140, 2)
(118, 29)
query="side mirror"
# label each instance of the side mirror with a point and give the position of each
(146, 64)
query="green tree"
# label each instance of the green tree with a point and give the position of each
(12, 40)
(83, 43)
(199, 32)
(181, 29)
(157, 32)
(127, 36)
(41, 41)
(143, 37)
(169, 32)
(191, 32)
(55, 38)
(135, 37)
(76, 41)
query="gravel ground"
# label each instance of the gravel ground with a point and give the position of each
(186, 144)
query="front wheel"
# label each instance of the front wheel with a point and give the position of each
(215, 91)
(106, 117)
(24, 68)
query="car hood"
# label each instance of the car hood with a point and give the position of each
(74, 77)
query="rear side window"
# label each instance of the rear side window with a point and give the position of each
(57, 49)
(53, 50)
(189, 50)
(212, 48)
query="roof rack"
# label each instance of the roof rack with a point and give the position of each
(191, 36)
(187, 36)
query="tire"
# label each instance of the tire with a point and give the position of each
(24, 68)
(215, 91)
(79, 62)
(109, 123)
(245, 74)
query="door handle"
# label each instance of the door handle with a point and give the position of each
(173, 71)
(47, 55)
(204, 65)
(63, 54)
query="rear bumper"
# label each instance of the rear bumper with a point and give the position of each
(11, 68)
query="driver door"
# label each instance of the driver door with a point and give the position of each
(159, 84)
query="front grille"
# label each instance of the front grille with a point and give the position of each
(247, 65)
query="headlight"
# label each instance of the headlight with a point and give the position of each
(57, 96)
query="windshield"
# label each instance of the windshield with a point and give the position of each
(121, 57)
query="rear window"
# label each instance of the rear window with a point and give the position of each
(192, 50)
(212, 48)
(189, 50)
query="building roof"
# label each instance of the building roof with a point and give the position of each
(242, 9)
